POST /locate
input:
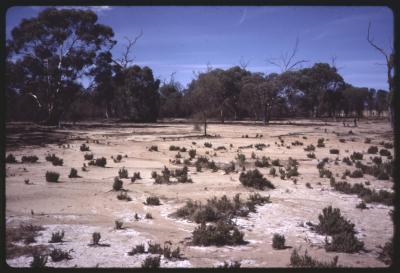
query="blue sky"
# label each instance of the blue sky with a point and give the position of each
(187, 39)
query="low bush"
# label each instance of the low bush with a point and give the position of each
(84, 148)
(153, 148)
(207, 144)
(372, 150)
(321, 143)
(377, 160)
(123, 173)
(263, 163)
(309, 148)
(297, 143)
(88, 156)
(234, 264)
(384, 152)
(100, 162)
(29, 159)
(387, 145)
(342, 140)
(331, 222)
(325, 173)
(291, 171)
(367, 140)
(278, 241)
(148, 216)
(356, 156)
(308, 185)
(117, 185)
(117, 159)
(151, 262)
(253, 178)
(241, 158)
(272, 171)
(124, 196)
(345, 242)
(174, 148)
(52, 176)
(138, 249)
(276, 163)
(311, 155)
(58, 255)
(136, 176)
(118, 224)
(386, 253)
(347, 161)
(57, 237)
(219, 148)
(192, 153)
(56, 161)
(334, 151)
(230, 168)
(356, 174)
(219, 234)
(260, 146)
(152, 201)
(73, 173)
(307, 261)
(96, 236)
(38, 261)
(154, 248)
(11, 159)
(361, 205)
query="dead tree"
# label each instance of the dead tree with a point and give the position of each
(389, 62)
(124, 61)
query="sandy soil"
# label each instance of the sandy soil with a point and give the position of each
(81, 206)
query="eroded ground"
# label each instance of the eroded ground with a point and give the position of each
(81, 206)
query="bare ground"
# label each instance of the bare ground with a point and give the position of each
(81, 206)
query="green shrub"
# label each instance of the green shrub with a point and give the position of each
(11, 159)
(192, 153)
(347, 161)
(361, 205)
(308, 185)
(153, 148)
(154, 248)
(367, 140)
(84, 148)
(331, 222)
(174, 148)
(58, 255)
(57, 237)
(309, 148)
(311, 155)
(29, 159)
(342, 140)
(136, 176)
(297, 143)
(276, 163)
(272, 171)
(321, 143)
(334, 151)
(384, 152)
(307, 261)
(153, 201)
(386, 253)
(325, 173)
(39, 261)
(377, 160)
(372, 150)
(253, 178)
(118, 224)
(387, 145)
(117, 185)
(96, 238)
(260, 146)
(148, 216)
(100, 162)
(345, 242)
(73, 173)
(151, 262)
(219, 234)
(356, 174)
(356, 156)
(138, 249)
(123, 173)
(88, 156)
(207, 144)
(230, 168)
(56, 161)
(262, 163)
(278, 241)
(52, 176)
(124, 196)
(241, 159)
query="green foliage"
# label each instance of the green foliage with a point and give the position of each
(321, 143)
(307, 261)
(138, 249)
(345, 242)
(57, 237)
(347, 161)
(73, 173)
(151, 262)
(124, 196)
(384, 152)
(234, 264)
(153, 148)
(88, 156)
(100, 162)
(153, 201)
(11, 159)
(118, 224)
(241, 159)
(192, 153)
(117, 185)
(29, 159)
(278, 241)
(52, 176)
(56, 161)
(276, 163)
(372, 150)
(123, 173)
(309, 148)
(84, 148)
(263, 163)
(356, 174)
(207, 144)
(39, 261)
(148, 216)
(253, 178)
(96, 238)
(331, 222)
(260, 146)
(219, 234)
(356, 156)
(334, 151)
(386, 253)
(58, 255)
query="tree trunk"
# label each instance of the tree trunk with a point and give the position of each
(222, 115)
(205, 124)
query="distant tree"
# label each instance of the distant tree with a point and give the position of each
(354, 100)
(53, 51)
(382, 101)
(171, 99)
(371, 100)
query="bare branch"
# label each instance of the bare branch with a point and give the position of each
(286, 61)
(371, 42)
(243, 64)
(124, 61)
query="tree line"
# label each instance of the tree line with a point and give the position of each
(49, 56)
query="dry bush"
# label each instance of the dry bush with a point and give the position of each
(307, 261)
(29, 159)
(52, 176)
(253, 178)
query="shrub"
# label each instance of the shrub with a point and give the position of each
(356, 174)
(52, 176)
(148, 216)
(272, 171)
(372, 150)
(207, 144)
(387, 145)
(342, 140)
(278, 241)
(361, 205)
(153, 201)
(58, 255)
(297, 143)
(124, 196)
(367, 140)
(377, 160)
(88, 156)
(308, 185)
(117, 185)
(73, 173)
(57, 237)
(356, 156)
(138, 249)
(311, 155)
(192, 153)
(253, 178)
(345, 242)
(334, 151)
(234, 264)
(118, 224)
(260, 146)
(291, 171)
(151, 262)
(384, 152)
(136, 176)
(56, 161)
(174, 148)
(386, 253)
(276, 163)
(153, 148)
(241, 159)
(347, 161)
(262, 163)
(331, 222)
(39, 261)
(96, 238)
(11, 158)
(325, 173)
(123, 173)
(307, 261)
(100, 162)
(84, 148)
(219, 234)
(321, 143)
(29, 159)
(230, 168)
(117, 159)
